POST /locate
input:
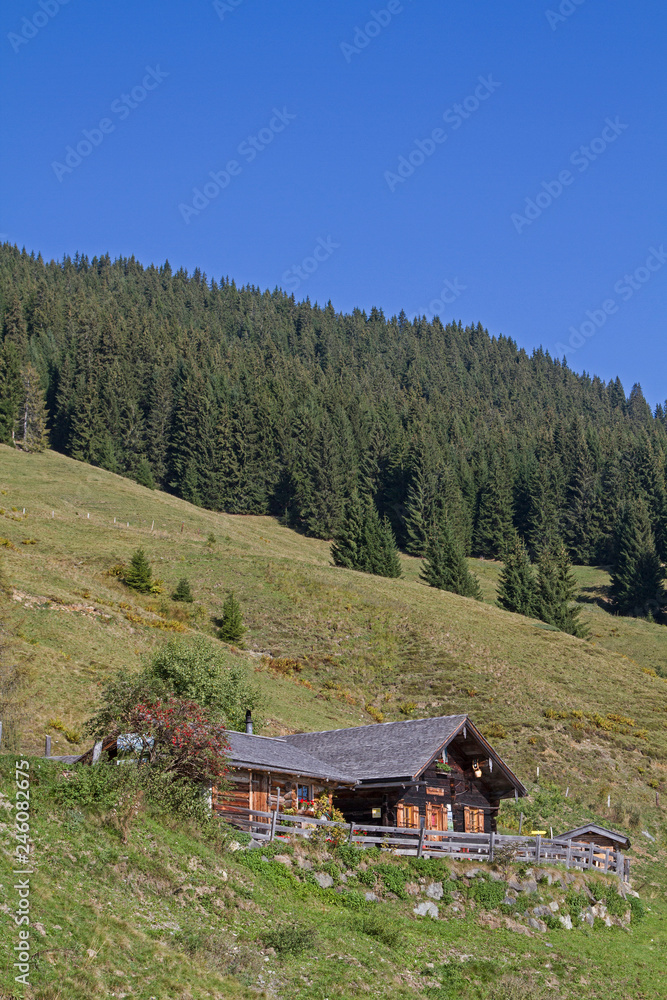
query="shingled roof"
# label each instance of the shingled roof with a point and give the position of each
(388, 750)
(278, 756)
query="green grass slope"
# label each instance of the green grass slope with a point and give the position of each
(591, 715)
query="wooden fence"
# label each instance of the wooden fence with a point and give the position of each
(435, 843)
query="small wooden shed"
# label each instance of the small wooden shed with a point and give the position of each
(591, 833)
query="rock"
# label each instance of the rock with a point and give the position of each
(553, 906)
(530, 885)
(570, 878)
(426, 910)
(324, 880)
(282, 859)
(453, 877)
(412, 888)
(342, 877)
(254, 845)
(599, 910)
(496, 876)
(515, 884)
(541, 911)
(566, 921)
(370, 897)
(305, 864)
(475, 872)
(508, 901)
(233, 846)
(435, 890)
(588, 917)
(537, 925)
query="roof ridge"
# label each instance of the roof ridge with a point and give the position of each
(377, 725)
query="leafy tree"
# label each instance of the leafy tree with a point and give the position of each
(637, 581)
(232, 628)
(184, 668)
(445, 565)
(140, 575)
(517, 590)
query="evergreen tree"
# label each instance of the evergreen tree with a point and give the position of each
(140, 575)
(494, 526)
(183, 592)
(232, 628)
(637, 581)
(445, 565)
(11, 391)
(557, 590)
(347, 549)
(365, 542)
(32, 434)
(517, 590)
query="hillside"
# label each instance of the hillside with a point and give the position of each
(590, 714)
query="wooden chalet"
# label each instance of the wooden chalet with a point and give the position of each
(397, 774)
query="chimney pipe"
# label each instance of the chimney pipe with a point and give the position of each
(248, 722)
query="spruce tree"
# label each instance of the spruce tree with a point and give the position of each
(140, 575)
(183, 592)
(32, 434)
(364, 541)
(494, 527)
(517, 590)
(445, 565)
(232, 628)
(637, 581)
(556, 591)
(347, 547)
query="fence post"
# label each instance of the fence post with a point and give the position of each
(274, 820)
(619, 866)
(538, 842)
(520, 823)
(97, 751)
(568, 855)
(491, 839)
(591, 854)
(47, 746)
(422, 833)
(606, 859)
(351, 833)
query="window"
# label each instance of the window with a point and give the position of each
(304, 796)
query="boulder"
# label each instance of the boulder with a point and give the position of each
(324, 880)
(233, 846)
(530, 885)
(370, 897)
(304, 863)
(553, 906)
(282, 859)
(435, 890)
(426, 910)
(412, 888)
(537, 925)
(566, 921)
(508, 901)
(496, 876)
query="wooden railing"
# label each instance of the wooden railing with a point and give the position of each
(434, 843)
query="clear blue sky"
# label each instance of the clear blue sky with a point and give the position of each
(351, 104)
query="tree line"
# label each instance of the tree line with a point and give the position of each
(248, 401)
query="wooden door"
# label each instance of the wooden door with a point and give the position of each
(259, 797)
(473, 820)
(436, 817)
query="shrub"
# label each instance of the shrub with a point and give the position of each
(377, 925)
(183, 592)
(575, 903)
(291, 939)
(368, 878)
(429, 867)
(210, 541)
(488, 895)
(350, 854)
(393, 878)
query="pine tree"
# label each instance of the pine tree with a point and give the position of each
(32, 434)
(556, 591)
(494, 527)
(517, 590)
(140, 575)
(637, 581)
(232, 628)
(445, 565)
(183, 592)
(365, 542)
(347, 547)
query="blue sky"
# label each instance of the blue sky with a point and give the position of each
(500, 163)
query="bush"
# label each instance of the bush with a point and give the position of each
(489, 895)
(377, 925)
(393, 878)
(429, 868)
(291, 939)
(183, 592)
(350, 854)
(575, 903)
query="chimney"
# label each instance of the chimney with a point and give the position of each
(248, 722)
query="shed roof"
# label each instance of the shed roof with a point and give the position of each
(274, 754)
(594, 830)
(385, 750)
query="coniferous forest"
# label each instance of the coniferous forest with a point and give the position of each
(247, 401)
